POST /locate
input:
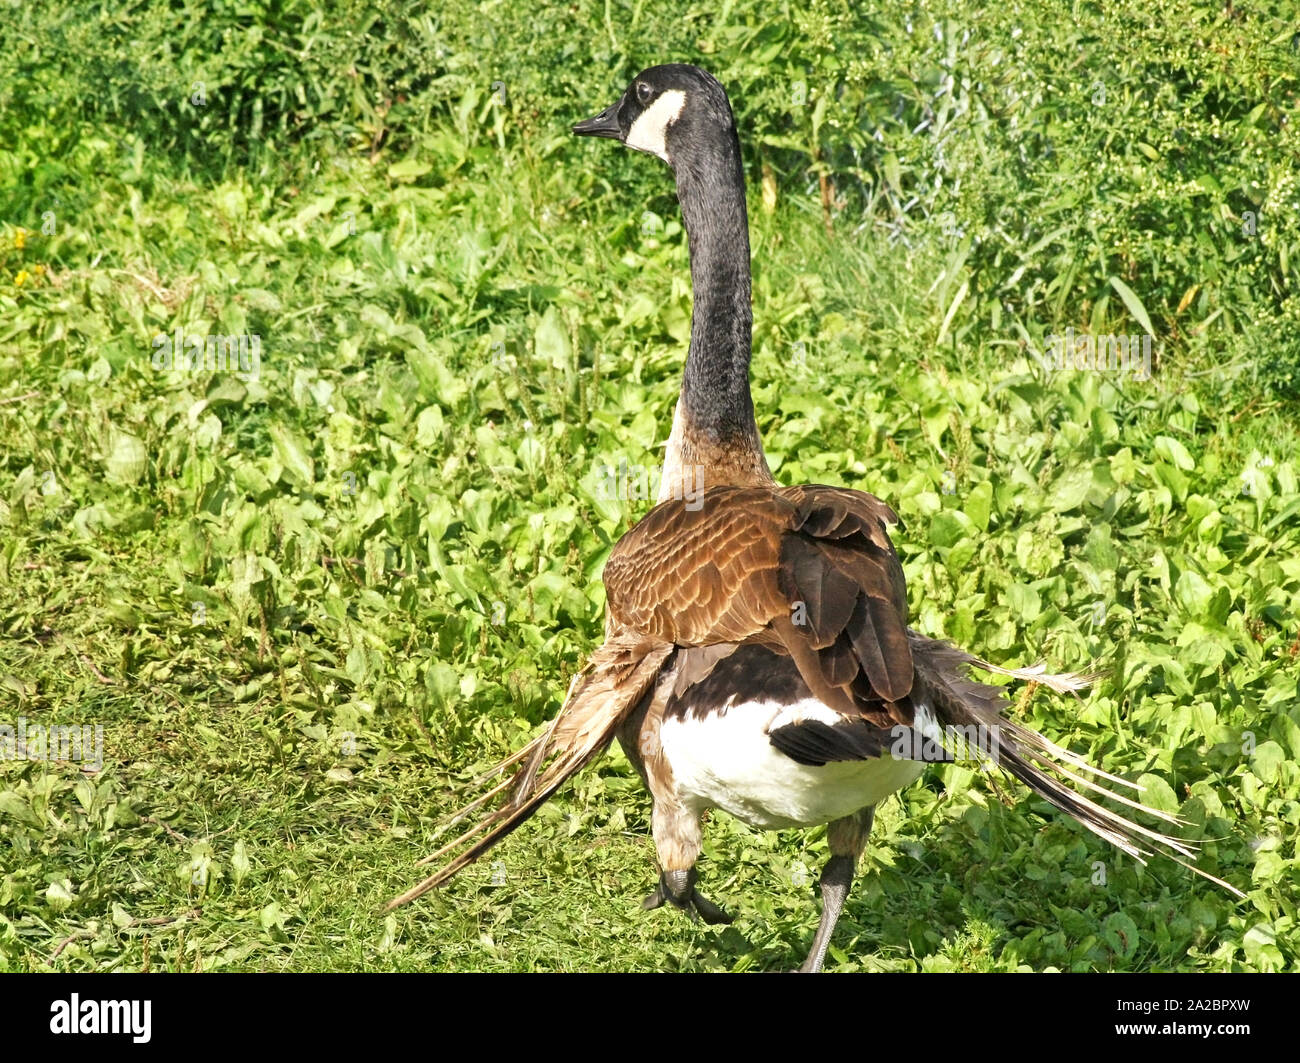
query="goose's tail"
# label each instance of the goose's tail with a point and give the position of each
(601, 695)
(958, 701)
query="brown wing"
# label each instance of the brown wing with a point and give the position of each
(695, 577)
(808, 568)
(837, 559)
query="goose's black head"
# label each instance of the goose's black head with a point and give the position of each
(671, 111)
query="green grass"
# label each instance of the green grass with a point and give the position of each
(306, 609)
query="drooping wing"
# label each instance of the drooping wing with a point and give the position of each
(837, 558)
(958, 701)
(617, 677)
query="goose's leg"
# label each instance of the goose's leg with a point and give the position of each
(847, 838)
(677, 840)
(678, 887)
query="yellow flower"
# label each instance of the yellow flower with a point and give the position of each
(20, 238)
(20, 278)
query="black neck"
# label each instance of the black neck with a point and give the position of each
(715, 386)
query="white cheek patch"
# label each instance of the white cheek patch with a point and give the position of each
(650, 131)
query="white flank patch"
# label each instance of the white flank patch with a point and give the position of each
(924, 722)
(728, 761)
(808, 709)
(650, 131)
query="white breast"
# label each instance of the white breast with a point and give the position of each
(726, 760)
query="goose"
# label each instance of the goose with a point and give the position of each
(757, 655)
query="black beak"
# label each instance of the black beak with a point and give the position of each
(604, 124)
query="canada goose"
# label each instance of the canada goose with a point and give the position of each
(757, 657)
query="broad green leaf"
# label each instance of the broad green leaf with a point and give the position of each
(408, 169)
(1157, 793)
(293, 453)
(1070, 489)
(127, 460)
(1173, 451)
(240, 865)
(1121, 935)
(1267, 761)
(978, 504)
(1133, 303)
(13, 804)
(58, 895)
(552, 340)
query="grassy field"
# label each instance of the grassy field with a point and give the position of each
(306, 600)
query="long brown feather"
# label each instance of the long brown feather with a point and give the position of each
(619, 674)
(960, 701)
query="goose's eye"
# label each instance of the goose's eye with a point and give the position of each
(644, 92)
